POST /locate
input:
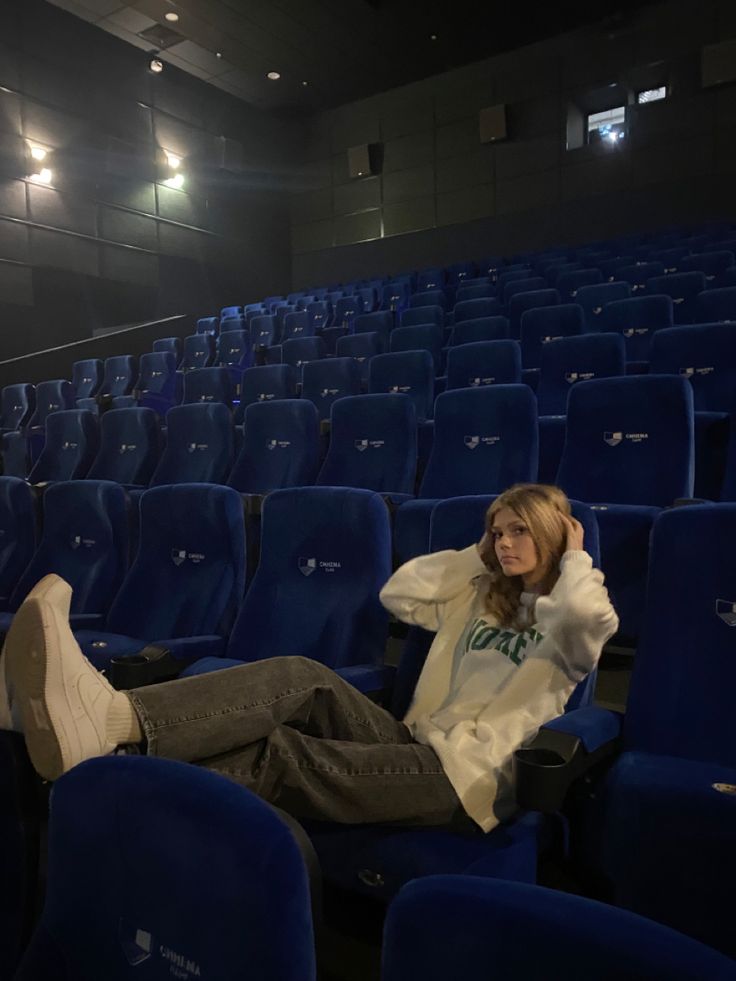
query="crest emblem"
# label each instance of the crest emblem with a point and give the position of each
(307, 566)
(178, 555)
(726, 610)
(687, 372)
(137, 944)
(613, 439)
(361, 444)
(472, 441)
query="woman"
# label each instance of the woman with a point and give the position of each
(520, 619)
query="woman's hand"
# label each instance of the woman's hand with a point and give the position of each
(575, 533)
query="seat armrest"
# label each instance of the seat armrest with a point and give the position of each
(86, 621)
(369, 678)
(683, 502)
(563, 750)
(162, 660)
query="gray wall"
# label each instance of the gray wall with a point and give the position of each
(442, 196)
(107, 244)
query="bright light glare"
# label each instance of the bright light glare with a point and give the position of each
(38, 152)
(176, 182)
(43, 177)
(274, 76)
(172, 159)
(156, 66)
(172, 17)
(652, 95)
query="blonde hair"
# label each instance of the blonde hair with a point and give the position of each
(540, 507)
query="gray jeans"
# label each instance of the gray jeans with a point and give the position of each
(296, 734)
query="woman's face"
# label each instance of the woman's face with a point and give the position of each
(515, 548)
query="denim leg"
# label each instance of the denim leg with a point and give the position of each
(346, 782)
(207, 715)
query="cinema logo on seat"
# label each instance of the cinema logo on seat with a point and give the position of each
(395, 389)
(548, 338)
(265, 396)
(726, 610)
(78, 540)
(689, 372)
(68, 445)
(328, 391)
(613, 439)
(127, 447)
(308, 566)
(180, 555)
(630, 331)
(475, 382)
(573, 376)
(193, 447)
(271, 444)
(363, 444)
(472, 442)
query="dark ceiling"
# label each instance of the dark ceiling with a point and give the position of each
(342, 49)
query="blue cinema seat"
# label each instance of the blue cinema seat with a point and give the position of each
(420, 337)
(637, 319)
(172, 344)
(130, 446)
(458, 272)
(326, 553)
(568, 283)
(464, 926)
(87, 377)
(299, 351)
(483, 363)
(638, 275)
(380, 323)
(297, 324)
(17, 405)
(712, 264)
(320, 315)
(474, 309)
(407, 373)
(72, 441)
(433, 314)
(345, 311)
(475, 289)
(280, 447)
(120, 375)
(158, 386)
(228, 324)
(658, 824)
(523, 302)
(55, 395)
(234, 352)
(485, 439)
(183, 589)
(264, 383)
(84, 540)
(430, 279)
(593, 300)
(199, 352)
(373, 445)
(436, 297)
(683, 288)
(629, 451)
(208, 325)
(159, 869)
(199, 445)
(207, 385)
(527, 284)
(361, 348)
(323, 382)
(480, 329)
(716, 306)
(395, 296)
(540, 325)
(706, 355)
(18, 532)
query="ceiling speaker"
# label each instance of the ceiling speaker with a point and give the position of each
(365, 159)
(493, 124)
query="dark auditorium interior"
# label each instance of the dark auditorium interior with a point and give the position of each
(290, 292)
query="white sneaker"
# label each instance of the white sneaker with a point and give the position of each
(63, 700)
(57, 591)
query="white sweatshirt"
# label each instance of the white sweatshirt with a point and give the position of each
(485, 690)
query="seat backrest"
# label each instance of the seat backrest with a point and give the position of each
(629, 441)
(510, 274)
(199, 445)
(485, 439)
(163, 841)
(473, 309)
(483, 363)
(475, 291)
(323, 382)
(84, 540)
(130, 445)
(320, 314)
(593, 300)
(326, 554)
(520, 303)
(685, 653)
(18, 405)
(531, 285)
(395, 296)
(373, 444)
(458, 924)
(420, 337)
(480, 329)
(716, 306)
(706, 355)
(406, 373)
(434, 298)
(423, 315)
(297, 324)
(72, 442)
(199, 350)
(671, 258)
(172, 344)
(429, 279)
(208, 385)
(120, 375)
(683, 288)
(188, 575)
(381, 322)
(460, 271)
(570, 360)
(637, 319)
(301, 350)
(361, 348)
(234, 350)
(157, 374)
(638, 274)
(280, 447)
(609, 267)
(87, 377)
(541, 325)
(52, 396)
(569, 283)
(208, 325)
(562, 268)
(232, 323)
(346, 310)
(18, 531)
(232, 311)
(265, 383)
(709, 263)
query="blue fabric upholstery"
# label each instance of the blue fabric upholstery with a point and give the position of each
(264, 331)
(473, 309)
(462, 926)
(298, 351)
(280, 447)
(207, 325)
(460, 271)
(395, 296)
(593, 300)
(172, 344)
(420, 337)
(407, 373)
(361, 348)
(84, 540)
(161, 869)
(345, 311)
(235, 353)
(475, 292)
(528, 284)
(637, 319)
(297, 324)
(51, 396)
(228, 324)
(18, 531)
(120, 375)
(638, 275)
(706, 355)
(437, 297)
(157, 375)
(87, 377)
(683, 288)
(323, 382)
(199, 352)
(72, 441)
(542, 324)
(187, 579)
(716, 306)
(208, 385)
(480, 329)
(130, 444)
(526, 300)
(429, 279)
(433, 314)
(320, 314)
(483, 363)
(380, 323)
(373, 444)
(570, 360)
(15, 454)
(199, 445)
(17, 407)
(712, 264)
(264, 383)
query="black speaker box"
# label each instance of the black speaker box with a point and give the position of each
(365, 159)
(493, 124)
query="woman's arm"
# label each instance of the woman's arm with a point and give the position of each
(420, 591)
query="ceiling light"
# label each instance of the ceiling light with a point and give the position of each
(38, 152)
(432, 37)
(43, 177)
(274, 76)
(305, 84)
(176, 182)
(172, 160)
(171, 16)
(156, 66)
(218, 54)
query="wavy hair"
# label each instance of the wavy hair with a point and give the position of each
(540, 507)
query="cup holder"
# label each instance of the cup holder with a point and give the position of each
(546, 758)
